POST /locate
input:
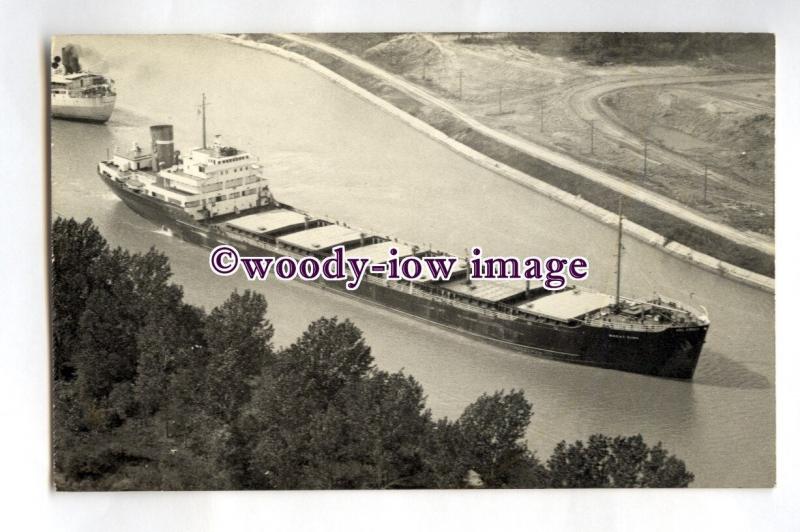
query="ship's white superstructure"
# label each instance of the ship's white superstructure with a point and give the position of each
(205, 183)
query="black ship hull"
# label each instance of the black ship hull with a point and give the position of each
(672, 352)
(98, 121)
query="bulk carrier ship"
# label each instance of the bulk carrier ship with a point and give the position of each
(217, 195)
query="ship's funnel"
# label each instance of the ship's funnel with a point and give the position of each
(163, 146)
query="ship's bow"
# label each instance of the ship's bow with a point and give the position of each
(687, 343)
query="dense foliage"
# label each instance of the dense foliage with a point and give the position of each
(152, 393)
(733, 50)
(746, 49)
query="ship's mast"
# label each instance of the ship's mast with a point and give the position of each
(619, 252)
(203, 112)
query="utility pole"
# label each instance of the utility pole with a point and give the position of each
(500, 101)
(644, 176)
(591, 141)
(460, 82)
(705, 184)
(619, 252)
(203, 111)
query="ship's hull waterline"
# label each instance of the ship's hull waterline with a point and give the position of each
(672, 352)
(85, 109)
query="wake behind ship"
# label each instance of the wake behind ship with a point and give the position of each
(218, 195)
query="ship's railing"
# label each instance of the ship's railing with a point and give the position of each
(112, 170)
(86, 93)
(626, 326)
(250, 240)
(472, 308)
(242, 236)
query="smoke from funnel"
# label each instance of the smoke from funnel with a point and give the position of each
(69, 55)
(86, 59)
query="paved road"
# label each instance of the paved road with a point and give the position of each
(758, 242)
(585, 102)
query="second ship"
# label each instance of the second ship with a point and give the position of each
(217, 195)
(76, 94)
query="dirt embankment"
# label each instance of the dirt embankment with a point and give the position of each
(542, 97)
(728, 128)
(432, 54)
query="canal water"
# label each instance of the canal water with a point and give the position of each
(331, 153)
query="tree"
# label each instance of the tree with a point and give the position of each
(127, 291)
(75, 247)
(323, 417)
(107, 353)
(157, 355)
(449, 463)
(150, 274)
(171, 338)
(620, 462)
(295, 390)
(375, 434)
(490, 436)
(238, 338)
(274, 437)
(328, 356)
